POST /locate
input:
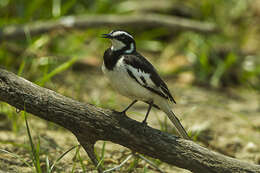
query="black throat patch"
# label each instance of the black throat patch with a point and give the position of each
(111, 58)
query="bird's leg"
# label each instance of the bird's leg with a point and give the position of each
(148, 111)
(124, 111)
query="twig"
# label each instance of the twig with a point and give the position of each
(115, 21)
(130, 156)
(149, 162)
(120, 165)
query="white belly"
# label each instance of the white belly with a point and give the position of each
(126, 85)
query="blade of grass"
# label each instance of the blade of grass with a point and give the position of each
(56, 8)
(17, 157)
(37, 152)
(67, 6)
(61, 156)
(80, 160)
(75, 159)
(35, 156)
(57, 70)
(103, 149)
(119, 166)
(21, 67)
(102, 156)
(145, 169)
(133, 164)
(31, 9)
(149, 162)
(100, 163)
(48, 170)
(222, 67)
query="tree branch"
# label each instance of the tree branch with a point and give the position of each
(93, 21)
(89, 124)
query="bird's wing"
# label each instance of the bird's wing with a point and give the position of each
(143, 72)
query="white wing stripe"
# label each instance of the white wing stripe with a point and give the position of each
(138, 74)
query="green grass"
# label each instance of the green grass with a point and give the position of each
(17, 157)
(47, 77)
(133, 164)
(78, 158)
(36, 152)
(102, 156)
(35, 149)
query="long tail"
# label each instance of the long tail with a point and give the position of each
(182, 132)
(177, 124)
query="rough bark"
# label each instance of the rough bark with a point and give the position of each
(89, 124)
(94, 21)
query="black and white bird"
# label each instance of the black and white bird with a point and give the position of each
(135, 77)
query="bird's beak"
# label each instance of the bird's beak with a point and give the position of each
(107, 36)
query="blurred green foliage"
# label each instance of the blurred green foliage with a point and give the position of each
(227, 58)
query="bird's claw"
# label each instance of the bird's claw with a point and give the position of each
(144, 123)
(123, 113)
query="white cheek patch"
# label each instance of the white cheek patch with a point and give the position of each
(117, 45)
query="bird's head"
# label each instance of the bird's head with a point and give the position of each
(121, 41)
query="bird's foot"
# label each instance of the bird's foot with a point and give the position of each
(123, 113)
(144, 123)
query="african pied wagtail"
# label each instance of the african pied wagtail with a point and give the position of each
(135, 77)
